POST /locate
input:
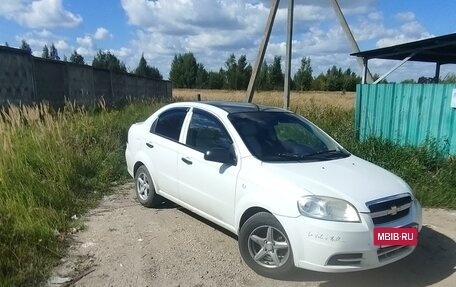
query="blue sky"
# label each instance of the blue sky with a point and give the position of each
(213, 29)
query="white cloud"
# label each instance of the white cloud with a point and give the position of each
(102, 33)
(62, 45)
(405, 16)
(375, 16)
(85, 41)
(39, 13)
(214, 29)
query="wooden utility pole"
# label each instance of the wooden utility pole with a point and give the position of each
(262, 51)
(286, 89)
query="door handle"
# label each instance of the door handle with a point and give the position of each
(187, 161)
(149, 145)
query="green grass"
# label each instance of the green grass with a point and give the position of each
(56, 165)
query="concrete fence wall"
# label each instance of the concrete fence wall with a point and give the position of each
(25, 79)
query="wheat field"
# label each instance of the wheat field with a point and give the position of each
(345, 101)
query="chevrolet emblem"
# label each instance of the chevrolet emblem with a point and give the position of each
(392, 211)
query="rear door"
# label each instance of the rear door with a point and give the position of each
(162, 144)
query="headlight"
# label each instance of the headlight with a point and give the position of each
(328, 208)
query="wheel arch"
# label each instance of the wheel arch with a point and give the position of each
(136, 166)
(249, 213)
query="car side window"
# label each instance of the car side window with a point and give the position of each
(169, 123)
(206, 132)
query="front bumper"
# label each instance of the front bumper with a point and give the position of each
(329, 246)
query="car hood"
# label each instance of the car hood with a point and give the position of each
(352, 179)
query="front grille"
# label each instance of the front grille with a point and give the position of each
(391, 251)
(389, 208)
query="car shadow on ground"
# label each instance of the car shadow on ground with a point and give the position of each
(433, 261)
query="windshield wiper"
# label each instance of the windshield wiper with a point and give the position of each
(324, 152)
(291, 155)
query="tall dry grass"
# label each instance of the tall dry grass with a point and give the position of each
(344, 101)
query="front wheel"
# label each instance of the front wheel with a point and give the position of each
(145, 190)
(265, 247)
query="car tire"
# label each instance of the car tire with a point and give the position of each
(265, 247)
(145, 190)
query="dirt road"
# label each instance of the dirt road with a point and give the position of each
(125, 244)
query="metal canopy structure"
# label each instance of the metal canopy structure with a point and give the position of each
(440, 50)
(435, 50)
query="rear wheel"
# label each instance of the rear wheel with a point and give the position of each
(145, 190)
(265, 247)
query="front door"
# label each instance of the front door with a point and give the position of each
(207, 186)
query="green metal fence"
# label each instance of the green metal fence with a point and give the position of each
(408, 114)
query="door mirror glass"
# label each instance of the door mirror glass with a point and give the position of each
(222, 155)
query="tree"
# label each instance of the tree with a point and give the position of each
(201, 77)
(142, 69)
(350, 80)
(215, 80)
(77, 58)
(237, 73)
(53, 54)
(45, 53)
(230, 73)
(263, 81)
(26, 47)
(276, 74)
(106, 60)
(450, 78)
(184, 70)
(145, 70)
(244, 71)
(334, 79)
(375, 77)
(303, 77)
(319, 83)
(408, 81)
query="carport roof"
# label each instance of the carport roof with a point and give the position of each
(440, 50)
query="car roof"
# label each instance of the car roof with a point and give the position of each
(239, 107)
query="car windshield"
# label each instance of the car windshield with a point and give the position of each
(284, 136)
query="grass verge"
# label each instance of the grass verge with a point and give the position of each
(54, 166)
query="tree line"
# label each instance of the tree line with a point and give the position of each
(187, 72)
(103, 59)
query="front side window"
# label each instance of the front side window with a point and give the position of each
(284, 136)
(169, 123)
(206, 132)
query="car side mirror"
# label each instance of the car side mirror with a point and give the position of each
(222, 155)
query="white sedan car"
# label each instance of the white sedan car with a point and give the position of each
(292, 194)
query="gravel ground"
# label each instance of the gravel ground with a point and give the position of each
(125, 244)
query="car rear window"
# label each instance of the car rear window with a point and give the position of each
(169, 123)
